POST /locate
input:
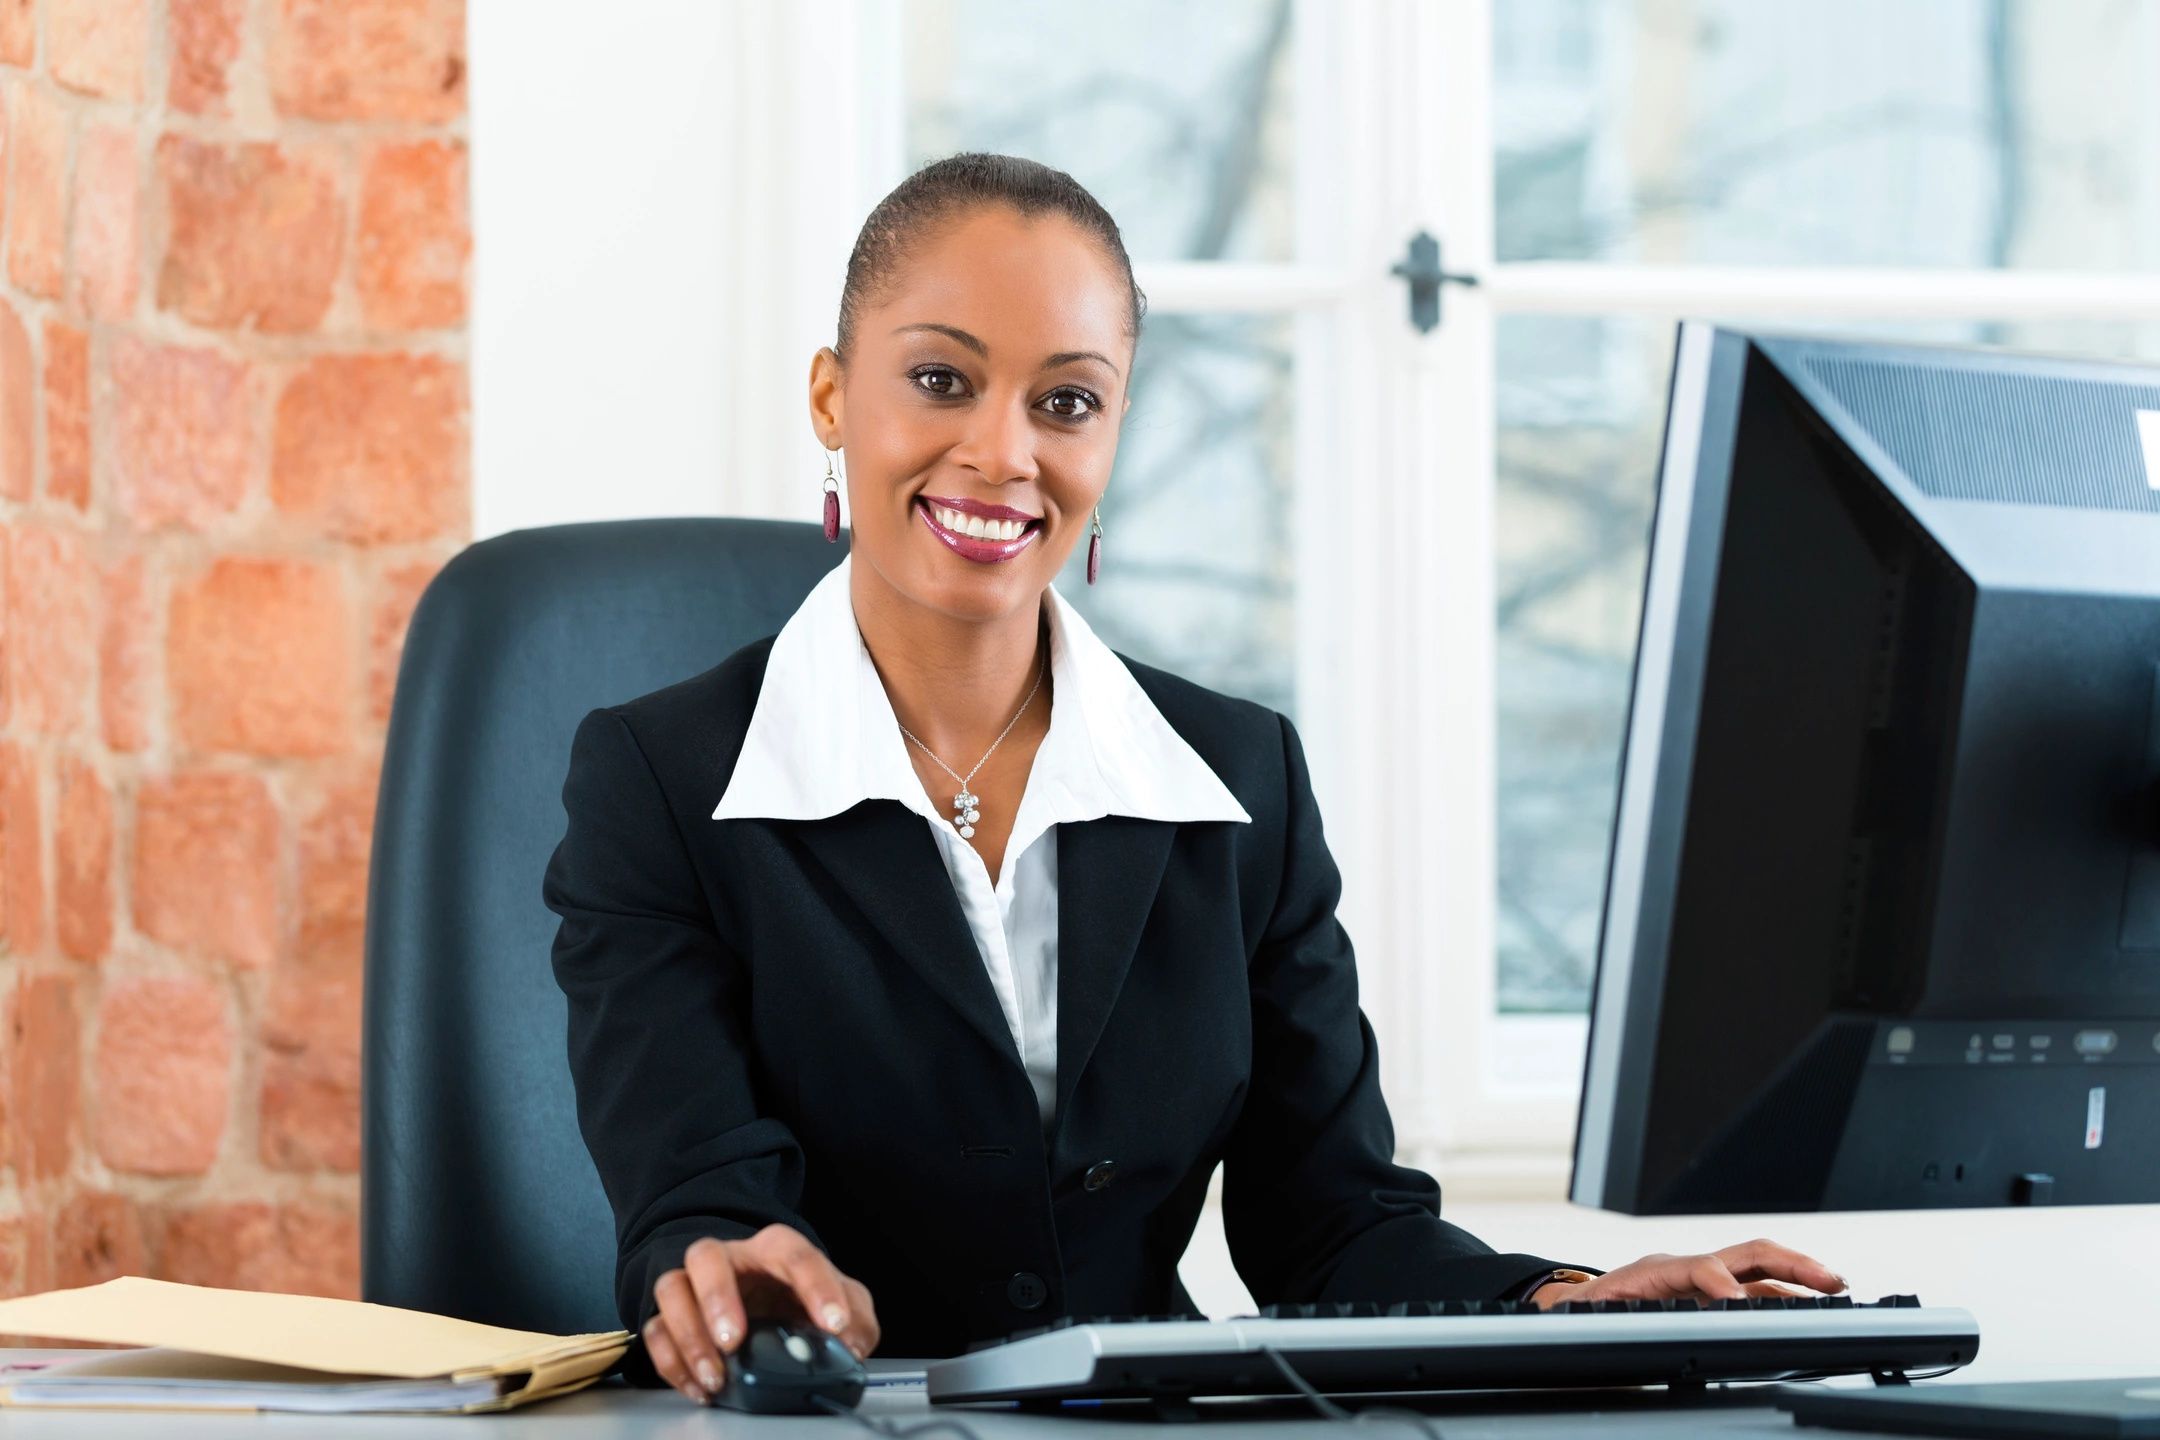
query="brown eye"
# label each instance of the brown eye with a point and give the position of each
(929, 370)
(1094, 406)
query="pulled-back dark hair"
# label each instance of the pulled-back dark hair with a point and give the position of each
(945, 190)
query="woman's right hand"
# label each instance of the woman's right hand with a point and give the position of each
(706, 1305)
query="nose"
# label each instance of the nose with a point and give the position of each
(999, 442)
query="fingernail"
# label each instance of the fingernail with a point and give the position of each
(835, 1317)
(709, 1374)
(724, 1332)
(690, 1393)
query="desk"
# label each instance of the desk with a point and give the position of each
(613, 1411)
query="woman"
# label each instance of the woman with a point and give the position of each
(924, 959)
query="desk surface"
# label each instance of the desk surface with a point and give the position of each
(613, 1411)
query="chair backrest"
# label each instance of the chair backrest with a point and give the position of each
(478, 1197)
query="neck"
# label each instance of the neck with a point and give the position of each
(954, 682)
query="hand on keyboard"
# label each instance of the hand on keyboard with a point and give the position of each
(1755, 1268)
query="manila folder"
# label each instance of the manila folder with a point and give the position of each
(340, 1339)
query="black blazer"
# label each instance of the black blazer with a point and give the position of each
(784, 1020)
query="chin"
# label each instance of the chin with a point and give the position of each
(966, 590)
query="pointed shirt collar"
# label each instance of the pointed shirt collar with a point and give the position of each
(824, 737)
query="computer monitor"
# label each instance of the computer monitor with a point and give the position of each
(1882, 911)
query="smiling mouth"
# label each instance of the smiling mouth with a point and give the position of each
(982, 538)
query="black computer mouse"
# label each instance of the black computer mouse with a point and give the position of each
(784, 1368)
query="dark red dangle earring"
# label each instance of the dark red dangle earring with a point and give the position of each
(832, 500)
(1094, 560)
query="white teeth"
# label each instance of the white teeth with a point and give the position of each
(977, 526)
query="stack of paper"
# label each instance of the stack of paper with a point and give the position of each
(245, 1349)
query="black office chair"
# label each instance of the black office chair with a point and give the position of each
(477, 1196)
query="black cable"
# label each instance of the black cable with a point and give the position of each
(1334, 1411)
(1326, 1407)
(890, 1430)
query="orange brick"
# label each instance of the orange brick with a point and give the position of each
(204, 866)
(18, 32)
(97, 1237)
(311, 1073)
(127, 651)
(183, 433)
(44, 1062)
(52, 600)
(373, 447)
(96, 46)
(311, 1024)
(303, 1248)
(414, 237)
(14, 1247)
(82, 861)
(107, 224)
(334, 853)
(256, 233)
(369, 59)
(205, 37)
(67, 414)
(258, 658)
(164, 1072)
(397, 595)
(37, 189)
(22, 865)
(18, 404)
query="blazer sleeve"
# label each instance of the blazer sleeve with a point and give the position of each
(658, 1026)
(1314, 1207)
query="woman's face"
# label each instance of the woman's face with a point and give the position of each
(980, 412)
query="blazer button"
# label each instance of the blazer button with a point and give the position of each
(1099, 1174)
(1026, 1290)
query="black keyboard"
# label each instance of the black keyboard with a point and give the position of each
(1460, 1344)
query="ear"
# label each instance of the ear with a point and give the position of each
(827, 398)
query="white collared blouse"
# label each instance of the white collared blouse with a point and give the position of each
(824, 737)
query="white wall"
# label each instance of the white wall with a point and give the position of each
(654, 264)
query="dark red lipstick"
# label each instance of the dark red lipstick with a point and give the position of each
(945, 515)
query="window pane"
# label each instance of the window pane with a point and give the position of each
(1581, 409)
(1991, 133)
(1178, 118)
(1197, 550)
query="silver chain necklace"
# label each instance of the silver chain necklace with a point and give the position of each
(964, 803)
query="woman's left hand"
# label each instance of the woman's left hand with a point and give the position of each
(1754, 1268)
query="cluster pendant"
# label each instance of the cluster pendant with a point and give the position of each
(964, 812)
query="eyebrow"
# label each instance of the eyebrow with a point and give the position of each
(1061, 358)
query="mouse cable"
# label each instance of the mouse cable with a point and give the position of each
(1327, 1407)
(1334, 1411)
(888, 1428)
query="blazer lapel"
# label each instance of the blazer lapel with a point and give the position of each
(882, 856)
(1109, 870)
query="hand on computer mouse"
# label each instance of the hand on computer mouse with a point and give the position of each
(786, 1368)
(706, 1305)
(1756, 1267)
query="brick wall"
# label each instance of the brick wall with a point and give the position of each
(233, 448)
